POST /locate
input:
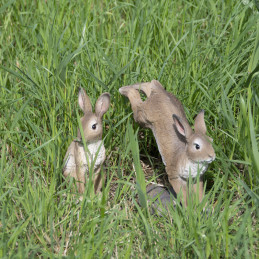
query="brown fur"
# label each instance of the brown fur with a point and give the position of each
(173, 135)
(77, 158)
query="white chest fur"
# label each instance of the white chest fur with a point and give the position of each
(95, 155)
(191, 169)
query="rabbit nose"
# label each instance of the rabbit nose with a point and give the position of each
(212, 156)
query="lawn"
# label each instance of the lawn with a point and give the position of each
(204, 52)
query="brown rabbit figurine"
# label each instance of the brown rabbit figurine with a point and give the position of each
(184, 152)
(76, 164)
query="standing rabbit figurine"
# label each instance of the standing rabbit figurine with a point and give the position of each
(184, 152)
(77, 159)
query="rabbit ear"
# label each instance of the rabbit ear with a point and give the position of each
(84, 101)
(179, 126)
(102, 104)
(199, 123)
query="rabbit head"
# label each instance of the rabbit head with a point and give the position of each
(198, 146)
(92, 121)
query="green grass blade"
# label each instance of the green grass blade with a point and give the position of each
(140, 185)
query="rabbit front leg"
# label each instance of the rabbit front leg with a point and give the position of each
(98, 180)
(198, 187)
(81, 170)
(179, 186)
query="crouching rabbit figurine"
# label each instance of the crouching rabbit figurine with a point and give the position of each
(77, 159)
(184, 152)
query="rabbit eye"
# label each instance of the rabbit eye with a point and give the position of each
(197, 146)
(94, 126)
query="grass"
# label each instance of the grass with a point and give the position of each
(205, 52)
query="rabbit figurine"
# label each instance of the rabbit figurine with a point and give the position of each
(77, 160)
(184, 152)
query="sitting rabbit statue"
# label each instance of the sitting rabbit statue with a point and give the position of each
(185, 153)
(77, 160)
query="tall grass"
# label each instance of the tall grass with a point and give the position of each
(205, 52)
